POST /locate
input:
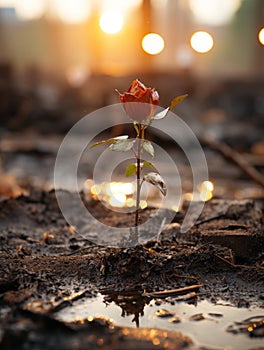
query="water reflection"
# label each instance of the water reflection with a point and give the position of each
(206, 323)
(131, 303)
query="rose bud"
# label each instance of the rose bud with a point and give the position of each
(145, 101)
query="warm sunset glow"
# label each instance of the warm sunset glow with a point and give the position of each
(153, 43)
(202, 42)
(261, 36)
(72, 11)
(30, 9)
(116, 194)
(214, 12)
(111, 22)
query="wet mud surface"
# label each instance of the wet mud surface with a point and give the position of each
(46, 265)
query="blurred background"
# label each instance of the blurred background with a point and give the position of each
(61, 59)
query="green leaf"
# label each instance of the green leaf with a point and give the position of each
(156, 180)
(112, 140)
(149, 148)
(131, 169)
(177, 100)
(161, 114)
(122, 145)
(148, 164)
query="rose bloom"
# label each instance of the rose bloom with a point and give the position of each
(145, 101)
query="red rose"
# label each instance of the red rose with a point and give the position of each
(145, 101)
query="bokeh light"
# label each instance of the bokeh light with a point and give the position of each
(116, 194)
(117, 200)
(261, 36)
(72, 11)
(206, 189)
(111, 22)
(30, 9)
(122, 5)
(153, 43)
(77, 75)
(214, 12)
(202, 42)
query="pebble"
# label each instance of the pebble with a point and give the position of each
(164, 313)
(175, 320)
(197, 317)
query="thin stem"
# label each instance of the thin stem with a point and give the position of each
(138, 184)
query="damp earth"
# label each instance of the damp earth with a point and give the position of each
(197, 290)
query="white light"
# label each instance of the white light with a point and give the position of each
(214, 12)
(202, 42)
(153, 43)
(206, 185)
(117, 200)
(111, 22)
(30, 9)
(7, 3)
(128, 188)
(261, 36)
(121, 5)
(72, 11)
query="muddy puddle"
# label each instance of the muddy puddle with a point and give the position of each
(219, 325)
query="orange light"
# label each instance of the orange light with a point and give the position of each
(153, 43)
(111, 22)
(261, 36)
(202, 42)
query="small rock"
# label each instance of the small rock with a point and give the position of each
(197, 317)
(213, 314)
(164, 313)
(175, 320)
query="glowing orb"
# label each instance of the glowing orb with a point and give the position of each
(206, 189)
(261, 36)
(118, 200)
(111, 22)
(153, 43)
(202, 42)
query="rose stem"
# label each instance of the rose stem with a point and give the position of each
(138, 187)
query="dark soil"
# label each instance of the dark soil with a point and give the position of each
(44, 259)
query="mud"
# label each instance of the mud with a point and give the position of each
(44, 263)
